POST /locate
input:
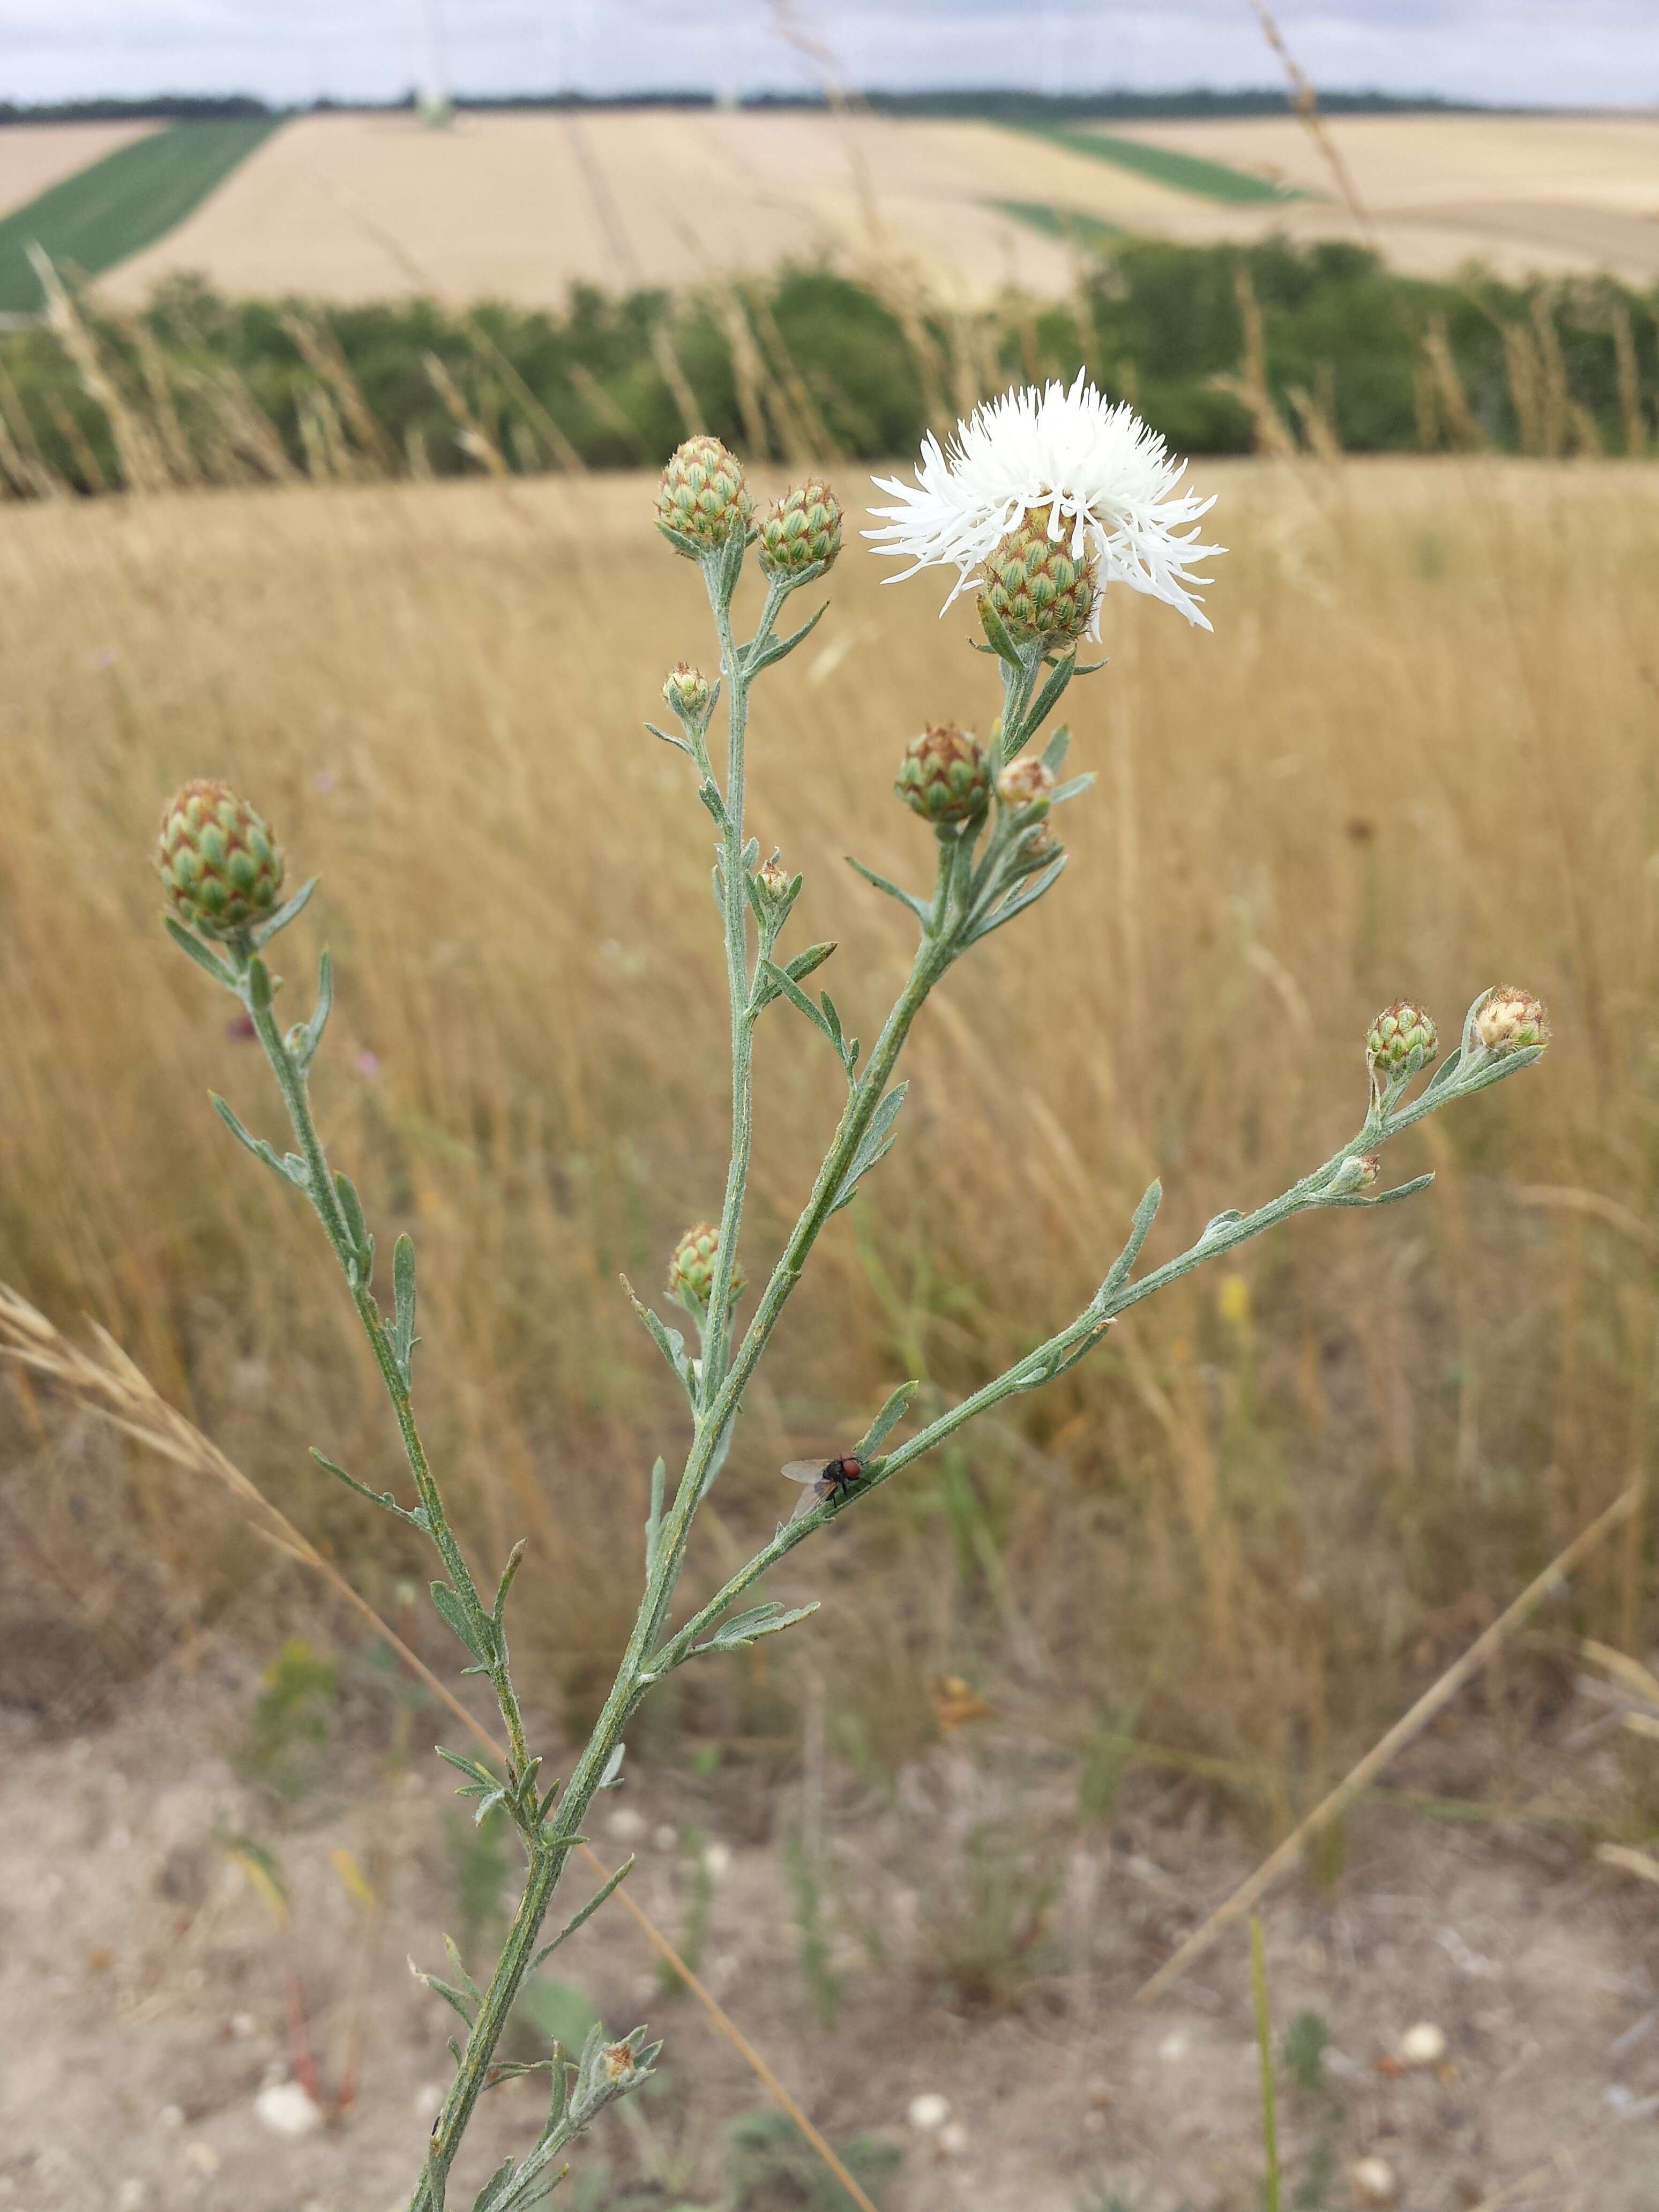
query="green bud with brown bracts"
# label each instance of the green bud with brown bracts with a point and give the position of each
(691, 1269)
(221, 868)
(802, 532)
(702, 497)
(690, 693)
(1509, 1018)
(946, 776)
(1037, 588)
(772, 881)
(1400, 1042)
(1027, 782)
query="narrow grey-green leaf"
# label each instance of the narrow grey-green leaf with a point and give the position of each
(1021, 899)
(1145, 1215)
(918, 907)
(187, 941)
(889, 1418)
(257, 1145)
(458, 1618)
(876, 1137)
(744, 1629)
(787, 988)
(404, 1339)
(804, 962)
(375, 1497)
(285, 914)
(587, 1911)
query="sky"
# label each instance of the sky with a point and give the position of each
(1549, 52)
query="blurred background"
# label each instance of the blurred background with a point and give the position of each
(338, 356)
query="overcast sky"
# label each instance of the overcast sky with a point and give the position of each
(1548, 52)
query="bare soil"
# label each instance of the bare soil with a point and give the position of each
(148, 1991)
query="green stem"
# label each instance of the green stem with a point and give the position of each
(1265, 2047)
(734, 911)
(473, 2074)
(296, 1097)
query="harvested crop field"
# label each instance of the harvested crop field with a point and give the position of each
(113, 208)
(1523, 192)
(520, 207)
(35, 156)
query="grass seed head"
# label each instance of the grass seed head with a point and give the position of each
(221, 868)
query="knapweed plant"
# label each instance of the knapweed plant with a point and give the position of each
(1044, 502)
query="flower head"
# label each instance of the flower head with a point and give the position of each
(1509, 1018)
(946, 776)
(1027, 782)
(221, 868)
(802, 531)
(702, 500)
(1107, 482)
(1399, 1041)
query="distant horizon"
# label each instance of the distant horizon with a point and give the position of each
(1507, 54)
(1234, 102)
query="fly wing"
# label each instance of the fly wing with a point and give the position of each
(802, 1470)
(810, 1500)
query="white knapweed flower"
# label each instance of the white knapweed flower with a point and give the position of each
(1105, 478)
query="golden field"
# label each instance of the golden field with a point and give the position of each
(1523, 194)
(520, 206)
(1417, 755)
(34, 156)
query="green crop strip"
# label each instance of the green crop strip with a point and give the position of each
(1070, 225)
(1182, 172)
(114, 208)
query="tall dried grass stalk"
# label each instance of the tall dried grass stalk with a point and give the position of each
(143, 468)
(1381, 1756)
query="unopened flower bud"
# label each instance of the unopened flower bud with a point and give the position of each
(772, 880)
(802, 530)
(1035, 586)
(1371, 1170)
(946, 776)
(220, 865)
(1510, 1018)
(1026, 783)
(617, 2061)
(703, 496)
(690, 693)
(691, 1269)
(1399, 1041)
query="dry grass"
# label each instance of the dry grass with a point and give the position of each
(1416, 754)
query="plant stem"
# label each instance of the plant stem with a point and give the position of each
(1265, 2046)
(734, 911)
(291, 1081)
(1116, 1295)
